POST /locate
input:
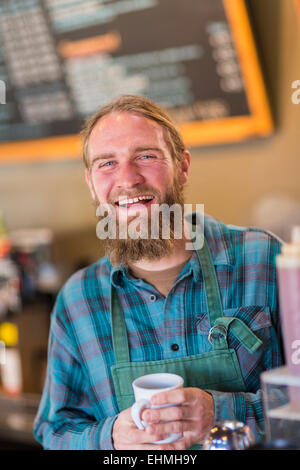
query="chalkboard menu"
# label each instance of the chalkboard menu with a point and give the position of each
(60, 60)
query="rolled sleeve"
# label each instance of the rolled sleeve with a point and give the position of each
(106, 441)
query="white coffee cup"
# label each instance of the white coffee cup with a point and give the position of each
(144, 388)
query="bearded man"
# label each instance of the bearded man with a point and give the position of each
(153, 304)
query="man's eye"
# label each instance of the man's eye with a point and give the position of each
(106, 164)
(147, 156)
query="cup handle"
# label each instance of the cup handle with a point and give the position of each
(136, 409)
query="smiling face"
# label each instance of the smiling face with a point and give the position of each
(131, 166)
(128, 157)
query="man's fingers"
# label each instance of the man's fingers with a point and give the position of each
(127, 436)
(138, 447)
(178, 445)
(172, 427)
(172, 413)
(143, 440)
(176, 397)
(134, 435)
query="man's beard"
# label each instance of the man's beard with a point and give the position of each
(125, 251)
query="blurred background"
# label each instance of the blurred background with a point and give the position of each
(233, 95)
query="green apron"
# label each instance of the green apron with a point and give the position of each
(217, 369)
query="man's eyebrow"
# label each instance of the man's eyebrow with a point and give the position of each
(147, 149)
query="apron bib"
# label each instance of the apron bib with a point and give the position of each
(217, 369)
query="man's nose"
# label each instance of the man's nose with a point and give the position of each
(128, 176)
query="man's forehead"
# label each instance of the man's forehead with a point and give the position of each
(115, 127)
(117, 121)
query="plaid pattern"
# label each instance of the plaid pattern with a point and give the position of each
(78, 405)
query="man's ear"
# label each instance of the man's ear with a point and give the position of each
(185, 166)
(90, 183)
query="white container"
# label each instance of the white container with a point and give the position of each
(288, 270)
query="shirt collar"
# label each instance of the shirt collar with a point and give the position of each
(217, 236)
(116, 275)
(219, 241)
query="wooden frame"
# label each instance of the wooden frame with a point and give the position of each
(198, 133)
(259, 122)
(297, 5)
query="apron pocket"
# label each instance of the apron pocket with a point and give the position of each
(215, 370)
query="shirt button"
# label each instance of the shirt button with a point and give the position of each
(152, 298)
(174, 347)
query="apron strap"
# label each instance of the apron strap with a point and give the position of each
(119, 332)
(212, 291)
(219, 341)
(241, 331)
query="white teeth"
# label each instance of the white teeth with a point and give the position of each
(132, 200)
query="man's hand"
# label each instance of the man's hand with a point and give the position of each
(127, 436)
(194, 417)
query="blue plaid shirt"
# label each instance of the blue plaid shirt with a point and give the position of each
(78, 406)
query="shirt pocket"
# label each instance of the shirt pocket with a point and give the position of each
(258, 319)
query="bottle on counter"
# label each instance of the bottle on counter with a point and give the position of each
(11, 370)
(288, 270)
(10, 305)
(4, 240)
